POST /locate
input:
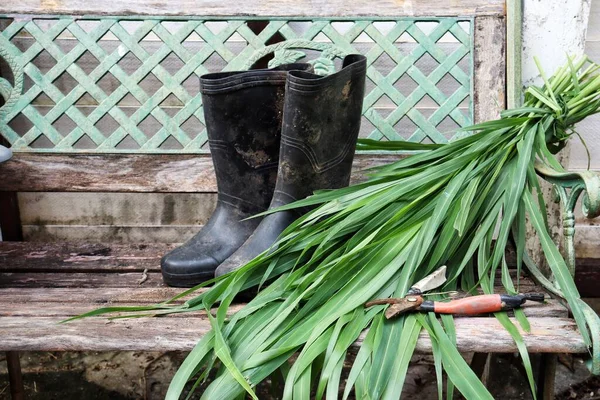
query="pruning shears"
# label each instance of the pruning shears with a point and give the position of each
(471, 305)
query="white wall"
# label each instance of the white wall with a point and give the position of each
(590, 128)
(551, 30)
(587, 233)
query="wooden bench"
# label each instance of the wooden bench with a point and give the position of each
(88, 120)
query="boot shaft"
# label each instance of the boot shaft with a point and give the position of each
(321, 121)
(243, 116)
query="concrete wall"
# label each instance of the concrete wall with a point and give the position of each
(551, 30)
(587, 236)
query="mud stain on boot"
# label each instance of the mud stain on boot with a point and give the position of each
(253, 159)
(346, 90)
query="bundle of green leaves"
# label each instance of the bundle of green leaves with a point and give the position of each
(457, 204)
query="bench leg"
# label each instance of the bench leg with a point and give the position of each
(546, 376)
(478, 364)
(15, 377)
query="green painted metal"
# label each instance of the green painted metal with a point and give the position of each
(568, 187)
(419, 76)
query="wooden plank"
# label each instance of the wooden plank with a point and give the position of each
(79, 279)
(97, 296)
(146, 295)
(81, 257)
(114, 279)
(108, 173)
(548, 335)
(122, 209)
(302, 8)
(135, 294)
(100, 334)
(126, 173)
(552, 309)
(110, 233)
(143, 295)
(489, 68)
(61, 310)
(553, 335)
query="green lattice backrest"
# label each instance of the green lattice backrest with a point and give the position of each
(126, 84)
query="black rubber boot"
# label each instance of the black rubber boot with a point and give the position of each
(321, 120)
(243, 114)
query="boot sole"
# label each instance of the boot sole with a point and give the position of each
(186, 280)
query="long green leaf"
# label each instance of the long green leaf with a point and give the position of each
(518, 338)
(455, 366)
(557, 265)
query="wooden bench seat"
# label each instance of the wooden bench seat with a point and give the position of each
(432, 68)
(44, 283)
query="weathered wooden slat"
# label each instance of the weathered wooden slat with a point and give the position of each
(489, 74)
(80, 279)
(99, 334)
(112, 233)
(108, 173)
(552, 308)
(554, 335)
(115, 209)
(126, 173)
(303, 8)
(115, 279)
(81, 257)
(134, 294)
(548, 335)
(97, 296)
(68, 310)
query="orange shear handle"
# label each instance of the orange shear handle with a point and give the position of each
(483, 304)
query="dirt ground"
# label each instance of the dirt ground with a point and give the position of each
(146, 375)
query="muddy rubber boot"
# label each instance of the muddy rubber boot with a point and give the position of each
(243, 114)
(321, 121)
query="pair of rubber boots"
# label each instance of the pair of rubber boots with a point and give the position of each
(275, 136)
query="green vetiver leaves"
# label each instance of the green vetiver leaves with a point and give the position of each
(442, 205)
